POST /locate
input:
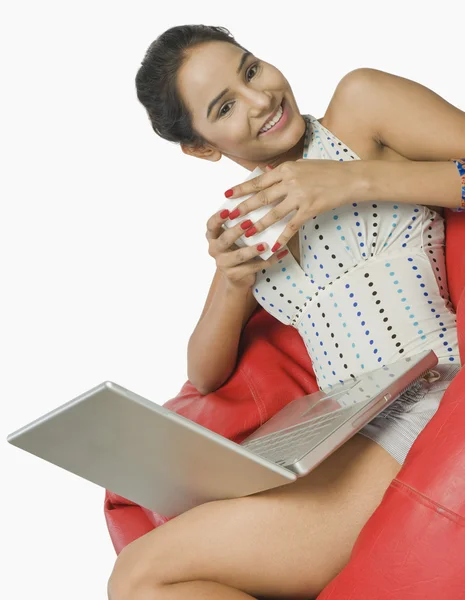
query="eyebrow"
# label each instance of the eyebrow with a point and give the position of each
(244, 57)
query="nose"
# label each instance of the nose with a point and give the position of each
(260, 102)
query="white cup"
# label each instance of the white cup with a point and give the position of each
(268, 235)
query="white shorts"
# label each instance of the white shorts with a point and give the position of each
(398, 426)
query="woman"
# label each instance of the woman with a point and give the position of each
(359, 271)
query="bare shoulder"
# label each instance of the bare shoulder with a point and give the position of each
(345, 117)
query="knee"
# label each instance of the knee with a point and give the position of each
(127, 577)
(121, 582)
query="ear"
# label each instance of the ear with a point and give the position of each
(204, 152)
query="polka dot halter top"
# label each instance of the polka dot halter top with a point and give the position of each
(371, 286)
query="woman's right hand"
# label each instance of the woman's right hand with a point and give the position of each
(239, 265)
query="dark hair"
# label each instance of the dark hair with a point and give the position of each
(156, 80)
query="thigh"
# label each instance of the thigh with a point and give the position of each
(287, 541)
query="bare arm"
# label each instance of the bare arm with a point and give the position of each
(213, 346)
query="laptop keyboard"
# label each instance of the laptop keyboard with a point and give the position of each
(287, 447)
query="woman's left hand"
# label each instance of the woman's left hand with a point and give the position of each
(309, 186)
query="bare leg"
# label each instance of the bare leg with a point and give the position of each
(207, 590)
(288, 542)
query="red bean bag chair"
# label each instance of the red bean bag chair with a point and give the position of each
(413, 546)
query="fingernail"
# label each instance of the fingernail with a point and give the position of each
(235, 213)
(250, 231)
(282, 254)
(275, 247)
(260, 247)
(246, 224)
(228, 193)
(224, 213)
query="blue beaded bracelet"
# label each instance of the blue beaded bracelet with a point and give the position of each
(460, 164)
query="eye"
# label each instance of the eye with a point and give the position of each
(221, 113)
(254, 66)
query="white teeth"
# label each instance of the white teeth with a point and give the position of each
(273, 122)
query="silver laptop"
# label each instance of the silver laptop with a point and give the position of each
(169, 464)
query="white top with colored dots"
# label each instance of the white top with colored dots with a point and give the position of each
(371, 287)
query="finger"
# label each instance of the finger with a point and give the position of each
(223, 238)
(232, 234)
(215, 222)
(263, 264)
(270, 195)
(255, 265)
(282, 207)
(254, 185)
(290, 230)
(240, 256)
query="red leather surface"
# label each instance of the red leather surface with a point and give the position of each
(413, 546)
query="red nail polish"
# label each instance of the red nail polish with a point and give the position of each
(235, 213)
(275, 247)
(224, 213)
(282, 254)
(228, 193)
(260, 247)
(250, 231)
(246, 224)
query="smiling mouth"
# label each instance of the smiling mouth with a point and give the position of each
(276, 119)
(281, 113)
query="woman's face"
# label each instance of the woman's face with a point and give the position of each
(232, 124)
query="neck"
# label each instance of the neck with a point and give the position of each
(293, 154)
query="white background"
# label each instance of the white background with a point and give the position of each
(100, 276)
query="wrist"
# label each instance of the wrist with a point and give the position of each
(364, 183)
(409, 181)
(235, 288)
